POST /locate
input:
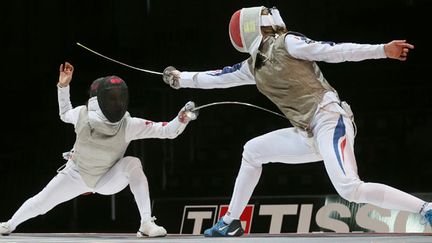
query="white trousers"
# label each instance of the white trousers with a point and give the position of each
(333, 143)
(68, 184)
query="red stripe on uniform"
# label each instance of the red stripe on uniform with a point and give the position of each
(343, 143)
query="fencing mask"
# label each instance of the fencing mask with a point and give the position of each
(245, 27)
(112, 95)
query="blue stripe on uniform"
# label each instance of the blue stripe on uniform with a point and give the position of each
(338, 133)
(228, 69)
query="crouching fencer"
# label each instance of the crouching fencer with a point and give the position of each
(97, 164)
(282, 64)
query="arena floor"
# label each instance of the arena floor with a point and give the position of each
(254, 238)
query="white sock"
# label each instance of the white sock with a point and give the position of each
(139, 186)
(227, 218)
(246, 181)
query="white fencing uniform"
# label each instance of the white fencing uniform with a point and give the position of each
(106, 177)
(322, 129)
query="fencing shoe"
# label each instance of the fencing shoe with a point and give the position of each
(428, 216)
(5, 228)
(222, 229)
(150, 229)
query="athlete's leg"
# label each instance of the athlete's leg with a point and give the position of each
(284, 145)
(128, 171)
(335, 139)
(67, 184)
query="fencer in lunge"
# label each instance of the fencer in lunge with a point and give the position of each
(283, 66)
(97, 164)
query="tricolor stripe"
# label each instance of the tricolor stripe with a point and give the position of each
(225, 70)
(339, 142)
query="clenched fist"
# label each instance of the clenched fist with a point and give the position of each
(171, 76)
(187, 113)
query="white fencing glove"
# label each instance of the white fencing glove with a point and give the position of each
(171, 76)
(187, 114)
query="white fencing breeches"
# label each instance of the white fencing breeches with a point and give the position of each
(333, 143)
(68, 184)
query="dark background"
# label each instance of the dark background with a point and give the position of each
(391, 99)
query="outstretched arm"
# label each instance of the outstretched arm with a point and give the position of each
(138, 128)
(306, 49)
(231, 76)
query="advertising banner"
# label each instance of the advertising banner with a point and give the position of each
(275, 215)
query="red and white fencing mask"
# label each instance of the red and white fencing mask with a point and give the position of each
(245, 27)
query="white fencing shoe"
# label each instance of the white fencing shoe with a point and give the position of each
(150, 229)
(5, 228)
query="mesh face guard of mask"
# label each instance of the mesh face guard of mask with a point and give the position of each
(112, 95)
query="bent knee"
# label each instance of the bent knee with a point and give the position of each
(251, 153)
(132, 163)
(349, 191)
